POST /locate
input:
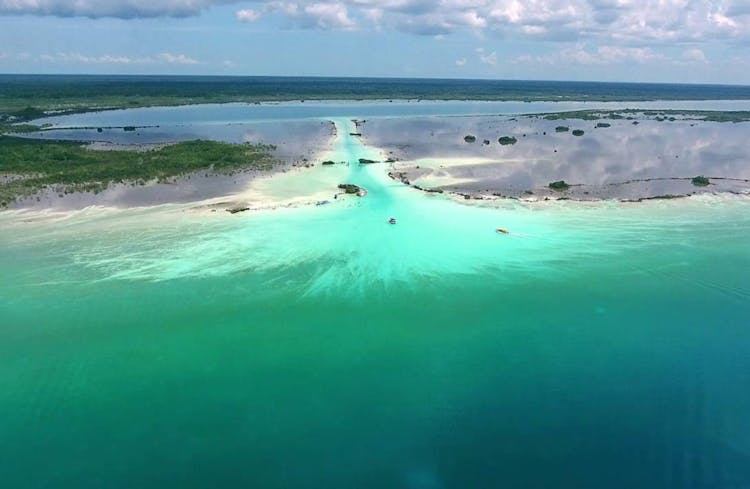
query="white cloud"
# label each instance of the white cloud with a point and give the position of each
(580, 54)
(315, 15)
(179, 59)
(125, 9)
(695, 54)
(327, 16)
(461, 62)
(488, 59)
(613, 54)
(605, 22)
(533, 30)
(247, 15)
(78, 58)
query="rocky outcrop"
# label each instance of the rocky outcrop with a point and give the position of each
(235, 210)
(400, 176)
(559, 185)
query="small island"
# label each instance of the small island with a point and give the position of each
(559, 185)
(701, 181)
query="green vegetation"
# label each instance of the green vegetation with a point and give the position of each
(29, 165)
(586, 115)
(18, 128)
(603, 125)
(578, 132)
(663, 115)
(349, 188)
(470, 139)
(559, 185)
(562, 129)
(701, 181)
(506, 140)
(30, 96)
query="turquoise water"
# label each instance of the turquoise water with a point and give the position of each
(597, 345)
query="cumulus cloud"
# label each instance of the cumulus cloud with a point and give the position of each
(461, 62)
(622, 22)
(326, 16)
(126, 9)
(311, 15)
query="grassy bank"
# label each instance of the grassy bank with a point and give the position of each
(30, 165)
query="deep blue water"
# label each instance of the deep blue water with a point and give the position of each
(290, 88)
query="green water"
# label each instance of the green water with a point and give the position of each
(598, 345)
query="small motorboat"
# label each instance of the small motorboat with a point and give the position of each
(502, 231)
(392, 220)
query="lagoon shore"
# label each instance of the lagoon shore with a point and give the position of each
(622, 155)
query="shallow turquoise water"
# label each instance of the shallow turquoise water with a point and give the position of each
(599, 345)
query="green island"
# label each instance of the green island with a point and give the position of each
(559, 185)
(29, 165)
(701, 181)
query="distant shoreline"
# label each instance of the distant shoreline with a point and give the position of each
(28, 97)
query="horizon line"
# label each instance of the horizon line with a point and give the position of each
(383, 78)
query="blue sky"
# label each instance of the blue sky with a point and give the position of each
(611, 40)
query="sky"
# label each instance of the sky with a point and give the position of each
(691, 41)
